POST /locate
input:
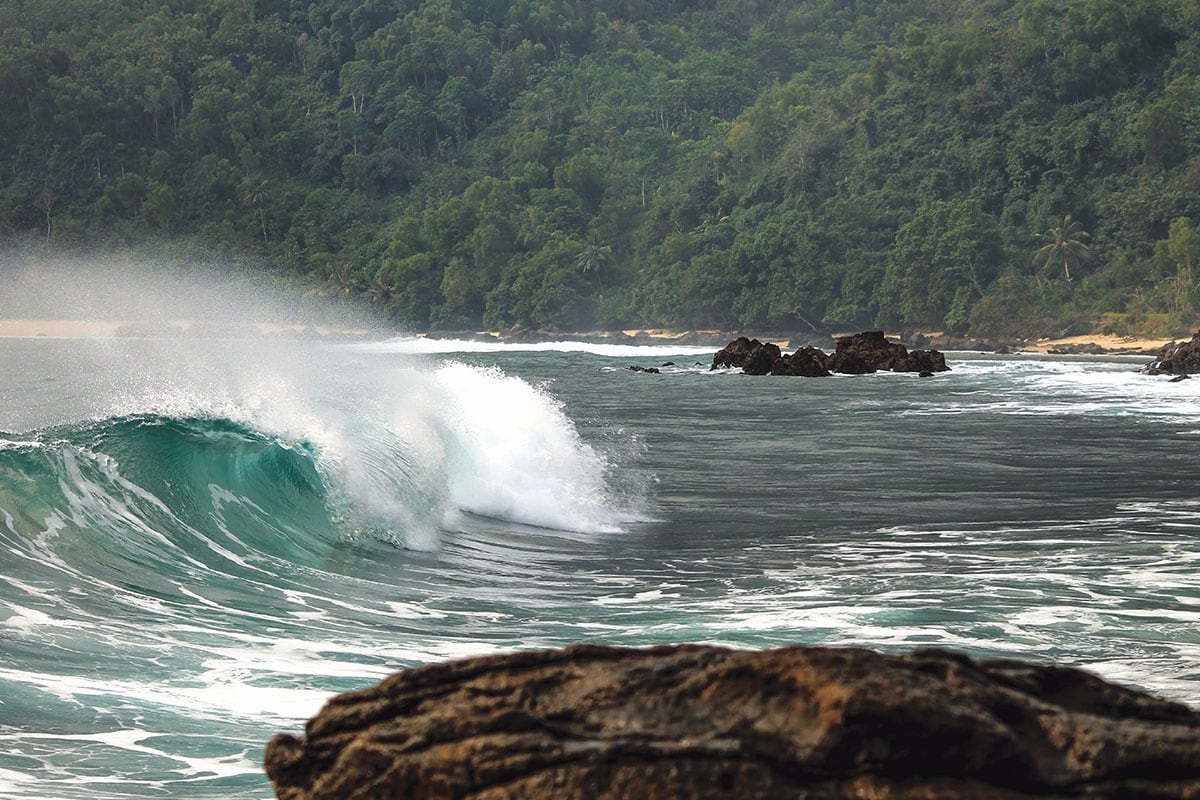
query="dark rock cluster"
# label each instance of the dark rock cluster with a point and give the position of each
(694, 722)
(859, 354)
(1082, 349)
(1177, 358)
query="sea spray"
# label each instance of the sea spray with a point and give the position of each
(514, 454)
(428, 440)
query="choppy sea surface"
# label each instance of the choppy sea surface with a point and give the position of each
(201, 540)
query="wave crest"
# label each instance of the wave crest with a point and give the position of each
(294, 474)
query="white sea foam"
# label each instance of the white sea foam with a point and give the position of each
(1045, 386)
(421, 345)
(425, 442)
(513, 453)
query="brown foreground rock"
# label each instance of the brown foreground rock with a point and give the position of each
(1177, 358)
(692, 721)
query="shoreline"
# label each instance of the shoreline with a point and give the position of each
(1088, 344)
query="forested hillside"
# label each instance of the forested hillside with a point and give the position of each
(1003, 166)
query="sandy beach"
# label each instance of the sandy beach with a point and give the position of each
(1111, 343)
(59, 328)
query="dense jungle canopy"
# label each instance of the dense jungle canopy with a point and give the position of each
(1008, 167)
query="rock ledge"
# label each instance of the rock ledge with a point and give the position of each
(698, 722)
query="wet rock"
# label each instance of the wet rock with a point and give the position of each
(751, 355)
(693, 722)
(702, 338)
(860, 354)
(1177, 358)
(806, 362)
(871, 351)
(651, 370)
(922, 361)
(1081, 349)
(864, 353)
(1179, 378)
(519, 333)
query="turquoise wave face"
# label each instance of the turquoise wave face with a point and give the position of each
(168, 492)
(158, 495)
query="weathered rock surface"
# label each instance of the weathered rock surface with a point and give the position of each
(751, 355)
(1081, 349)
(871, 351)
(698, 722)
(1177, 358)
(806, 362)
(859, 354)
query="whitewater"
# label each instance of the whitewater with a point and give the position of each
(202, 539)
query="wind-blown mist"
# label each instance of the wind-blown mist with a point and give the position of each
(403, 444)
(144, 294)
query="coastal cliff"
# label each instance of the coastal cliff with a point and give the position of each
(695, 721)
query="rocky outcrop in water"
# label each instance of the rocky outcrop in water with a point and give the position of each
(860, 354)
(750, 355)
(806, 362)
(692, 722)
(1177, 358)
(871, 351)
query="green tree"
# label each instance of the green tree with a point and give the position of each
(44, 201)
(702, 163)
(343, 280)
(942, 260)
(379, 290)
(1183, 247)
(160, 206)
(256, 193)
(1065, 244)
(594, 255)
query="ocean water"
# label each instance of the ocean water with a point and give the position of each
(201, 540)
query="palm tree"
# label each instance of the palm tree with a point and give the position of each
(44, 202)
(342, 280)
(256, 195)
(593, 255)
(378, 291)
(1064, 243)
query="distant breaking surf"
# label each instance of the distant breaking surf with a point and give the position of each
(423, 345)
